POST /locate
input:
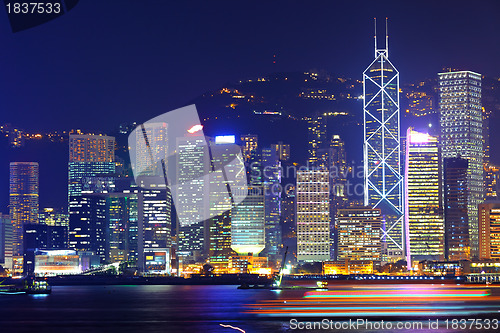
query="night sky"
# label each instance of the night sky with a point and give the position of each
(110, 62)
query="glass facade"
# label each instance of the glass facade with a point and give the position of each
(313, 216)
(423, 197)
(489, 231)
(456, 218)
(461, 123)
(23, 200)
(248, 232)
(359, 234)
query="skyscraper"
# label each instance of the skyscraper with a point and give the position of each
(313, 216)
(151, 152)
(382, 165)
(339, 167)
(123, 233)
(283, 151)
(23, 200)
(89, 156)
(359, 234)
(316, 135)
(154, 219)
(248, 232)
(6, 241)
(489, 230)
(338, 183)
(424, 218)
(91, 169)
(461, 122)
(53, 217)
(456, 217)
(249, 144)
(193, 163)
(491, 181)
(226, 157)
(272, 194)
(88, 224)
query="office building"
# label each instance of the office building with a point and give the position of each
(271, 166)
(313, 216)
(23, 200)
(88, 224)
(150, 153)
(248, 229)
(193, 190)
(249, 144)
(288, 220)
(456, 217)
(227, 165)
(338, 169)
(461, 123)
(53, 217)
(90, 156)
(41, 236)
(6, 241)
(154, 217)
(91, 171)
(359, 234)
(282, 150)
(316, 138)
(123, 224)
(423, 198)
(491, 181)
(381, 150)
(489, 231)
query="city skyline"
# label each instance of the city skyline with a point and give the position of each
(261, 166)
(99, 212)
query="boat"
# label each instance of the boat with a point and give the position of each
(28, 285)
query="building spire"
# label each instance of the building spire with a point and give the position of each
(386, 39)
(385, 50)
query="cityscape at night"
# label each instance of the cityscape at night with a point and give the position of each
(250, 166)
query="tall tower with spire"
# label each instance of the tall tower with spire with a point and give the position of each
(383, 181)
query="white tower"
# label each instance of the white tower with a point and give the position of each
(381, 150)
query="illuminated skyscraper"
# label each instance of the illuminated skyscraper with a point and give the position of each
(225, 155)
(382, 165)
(456, 218)
(491, 181)
(283, 151)
(248, 223)
(249, 144)
(489, 230)
(272, 193)
(316, 135)
(313, 216)
(88, 224)
(150, 152)
(154, 209)
(91, 169)
(193, 163)
(6, 241)
(23, 200)
(423, 197)
(89, 156)
(359, 234)
(338, 168)
(123, 234)
(461, 122)
(53, 217)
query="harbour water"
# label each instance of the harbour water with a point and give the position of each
(207, 309)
